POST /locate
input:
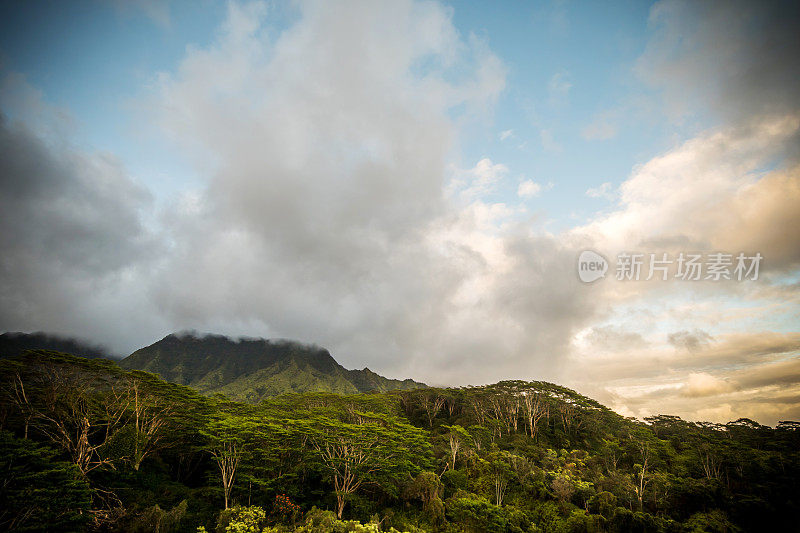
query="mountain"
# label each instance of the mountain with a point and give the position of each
(253, 369)
(13, 344)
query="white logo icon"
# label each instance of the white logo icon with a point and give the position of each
(591, 266)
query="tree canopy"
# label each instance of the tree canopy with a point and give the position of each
(89, 446)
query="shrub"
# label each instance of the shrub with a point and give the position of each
(241, 519)
(477, 514)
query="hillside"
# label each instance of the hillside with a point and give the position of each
(253, 369)
(513, 457)
(13, 344)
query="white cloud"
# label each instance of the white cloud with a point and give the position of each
(528, 189)
(701, 384)
(479, 180)
(506, 134)
(602, 191)
(708, 194)
(325, 219)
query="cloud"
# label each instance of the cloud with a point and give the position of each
(700, 384)
(602, 191)
(549, 143)
(710, 194)
(327, 217)
(479, 180)
(73, 226)
(756, 374)
(613, 339)
(528, 189)
(689, 340)
(506, 134)
(732, 187)
(737, 59)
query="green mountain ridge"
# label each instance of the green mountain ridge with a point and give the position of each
(13, 344)
(254, 369)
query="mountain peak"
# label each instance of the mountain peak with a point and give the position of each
(250, 369)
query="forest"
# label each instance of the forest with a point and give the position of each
(89, 446)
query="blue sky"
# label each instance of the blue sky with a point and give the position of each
(409, 184)
(567, 65)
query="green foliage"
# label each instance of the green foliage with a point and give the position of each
(453, 481)
(715, 521)
(240, 519)
(91, 446)
(157, 520)
(428, 488)
(317, 521)
(38, 491)
(476, 514)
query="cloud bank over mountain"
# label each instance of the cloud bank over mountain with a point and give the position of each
(332, 206)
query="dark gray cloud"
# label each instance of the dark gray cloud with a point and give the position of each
(738, 58)
(690, 340)
(75, 212)
(71, 233)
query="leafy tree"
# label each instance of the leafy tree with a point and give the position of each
(152, 415)
(477, 514)
(382, 451)
(457, 437)
(77, 404)
(227, 444)
(427, 487)
(38, 491)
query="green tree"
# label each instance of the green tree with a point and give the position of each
(381, 451)
(457, 438)
(227, 442)
(39, 492)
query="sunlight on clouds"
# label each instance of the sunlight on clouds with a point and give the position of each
(701, 384)
(337, 208)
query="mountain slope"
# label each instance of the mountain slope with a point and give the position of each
(253, 369)
(13, 344)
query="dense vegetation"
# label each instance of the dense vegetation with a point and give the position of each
(87, 445)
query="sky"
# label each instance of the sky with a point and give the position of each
(411, 184)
